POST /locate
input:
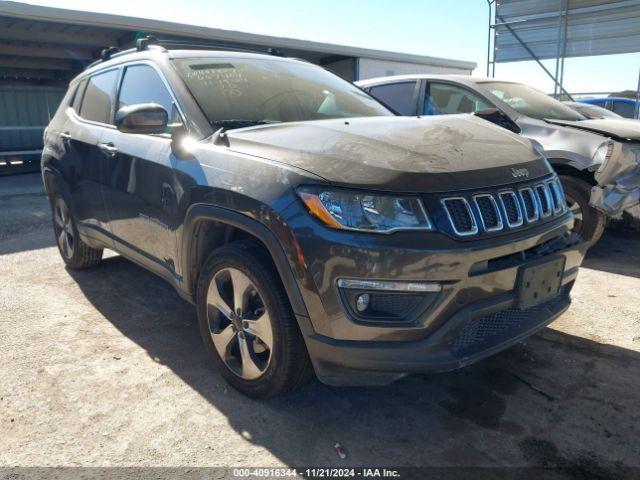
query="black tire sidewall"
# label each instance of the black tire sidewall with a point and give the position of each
(592, 220)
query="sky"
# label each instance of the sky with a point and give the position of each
(452, 29)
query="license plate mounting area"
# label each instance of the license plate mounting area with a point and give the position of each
(540, 282)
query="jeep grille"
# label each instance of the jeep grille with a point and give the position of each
(504, 209)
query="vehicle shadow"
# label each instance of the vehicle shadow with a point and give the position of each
(556, 400)
(616, 252)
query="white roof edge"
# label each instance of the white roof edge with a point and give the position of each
(60, 15)
(419, 76)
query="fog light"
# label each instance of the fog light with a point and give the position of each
(362, 302)
(385, 301)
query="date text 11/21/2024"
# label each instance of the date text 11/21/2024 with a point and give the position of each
(320, 472)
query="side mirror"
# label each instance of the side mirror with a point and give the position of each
(498, 117)
(143, 118)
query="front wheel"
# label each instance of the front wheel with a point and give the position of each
(247, 324)
(589, 222)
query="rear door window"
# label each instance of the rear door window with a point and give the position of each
(624, 109)
(142, 84)
(98, 98)
(402, 97)
(445, 99)
(77, 99)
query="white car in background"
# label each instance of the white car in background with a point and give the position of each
(597, 159)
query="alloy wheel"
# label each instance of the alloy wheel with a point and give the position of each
(239, 323)
(574, 207)
(64, 228)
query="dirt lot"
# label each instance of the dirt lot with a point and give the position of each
(105, 368)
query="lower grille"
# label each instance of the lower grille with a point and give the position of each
(483, 328)
(393, 305)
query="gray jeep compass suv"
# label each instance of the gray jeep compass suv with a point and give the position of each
(314, 230)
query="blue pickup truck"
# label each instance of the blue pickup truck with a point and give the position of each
(625, 107)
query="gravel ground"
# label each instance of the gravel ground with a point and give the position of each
(105, 367)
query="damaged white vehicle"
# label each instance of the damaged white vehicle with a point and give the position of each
(618, 178)
(597, 160)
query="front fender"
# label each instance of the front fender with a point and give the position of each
(282, 260)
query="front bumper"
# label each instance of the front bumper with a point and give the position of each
(472, 334)
(474, 316)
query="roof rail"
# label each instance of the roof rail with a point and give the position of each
(106, 53)
(143, 43)
(168, 44)
(171, 44)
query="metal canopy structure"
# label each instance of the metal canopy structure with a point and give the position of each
(52, 43)
(585, 28)
(558, 29)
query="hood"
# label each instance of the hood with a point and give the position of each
(620, 129)
(409, 154)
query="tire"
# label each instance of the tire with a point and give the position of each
(589, 222)
(75, 253)
(257, 363)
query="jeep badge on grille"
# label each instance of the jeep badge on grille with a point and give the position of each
(519, 172)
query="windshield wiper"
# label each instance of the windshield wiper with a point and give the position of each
(232, 123)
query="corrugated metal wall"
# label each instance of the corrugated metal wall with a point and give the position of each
(25, 110)
(345, 68)
(371, 68)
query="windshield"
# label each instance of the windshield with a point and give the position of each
(594, 111)
(531, 102)
(243, 91)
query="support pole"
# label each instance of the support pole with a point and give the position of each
(559, 42)
(533, 55)
(564, 40)
(491, 53)
(489, 38)
(637, 111)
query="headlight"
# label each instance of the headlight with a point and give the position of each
(603, 153)
(350, 210)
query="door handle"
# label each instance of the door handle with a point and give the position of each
(65, 136)
(108, 148)
(166, 193)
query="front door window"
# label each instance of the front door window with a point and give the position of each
(445, 99)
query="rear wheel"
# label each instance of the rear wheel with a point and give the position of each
(247, 323)
(589, 222)
(75, 253)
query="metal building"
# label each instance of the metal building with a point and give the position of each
(42, 48)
